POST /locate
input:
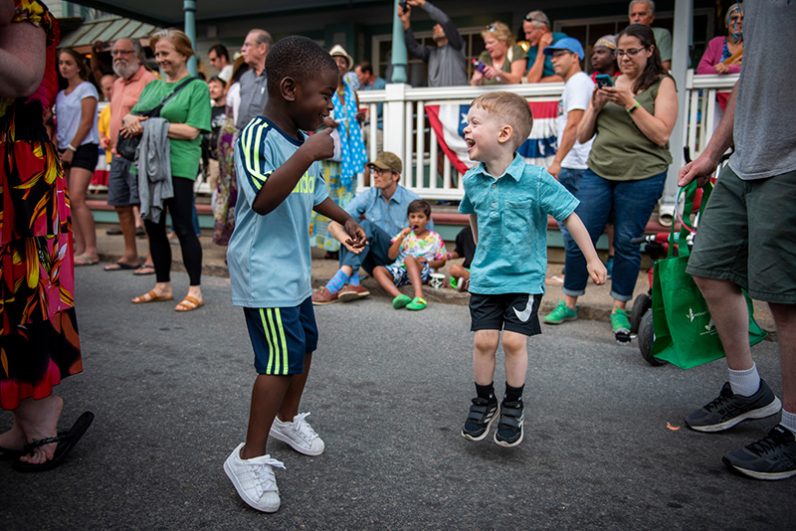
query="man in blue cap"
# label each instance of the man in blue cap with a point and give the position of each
(569, 162)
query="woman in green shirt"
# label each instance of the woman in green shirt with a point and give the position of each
(503, 62)
(188, 114)
(626, 171)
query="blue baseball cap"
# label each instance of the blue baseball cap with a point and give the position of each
(567, 43)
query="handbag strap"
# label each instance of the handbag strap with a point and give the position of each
(155, 111)
(679, 246)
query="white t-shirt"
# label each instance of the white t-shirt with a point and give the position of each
(68, 111)
(577, 95)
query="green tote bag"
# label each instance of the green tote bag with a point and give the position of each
(685, 335)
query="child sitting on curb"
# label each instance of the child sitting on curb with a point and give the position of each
(416, 251)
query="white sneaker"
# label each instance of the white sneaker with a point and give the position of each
(254, 479)
(298, 434)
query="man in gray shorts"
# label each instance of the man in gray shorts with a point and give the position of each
(122, 185)
(746, 239)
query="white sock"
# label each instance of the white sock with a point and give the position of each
(788, 420)
(746, 382)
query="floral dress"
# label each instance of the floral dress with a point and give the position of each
(39, 343)
(225, 196)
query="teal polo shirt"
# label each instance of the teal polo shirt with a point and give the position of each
(512, 209)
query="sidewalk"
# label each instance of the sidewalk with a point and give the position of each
(594, 305)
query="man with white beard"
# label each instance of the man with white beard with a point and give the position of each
(122, 185)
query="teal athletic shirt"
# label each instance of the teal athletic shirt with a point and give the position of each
(511, 252)
(269, 256)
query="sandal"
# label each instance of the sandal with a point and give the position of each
(84, 260)
(145, 269)
(417, 304)
(151, 296)
(120, 266)
(6, 454)
(189, 304)
(66, 441)
(401, 301)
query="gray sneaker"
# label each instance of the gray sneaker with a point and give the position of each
(728, 409)
(772, 457)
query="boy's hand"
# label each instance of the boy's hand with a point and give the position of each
(404, 233)
(597, 271)
(319, 146)
(357, 239)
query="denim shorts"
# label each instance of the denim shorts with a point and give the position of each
(122, 183)
(747, 234)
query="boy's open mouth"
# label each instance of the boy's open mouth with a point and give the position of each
(469, 141)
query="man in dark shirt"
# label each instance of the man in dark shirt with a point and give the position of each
(447, 65)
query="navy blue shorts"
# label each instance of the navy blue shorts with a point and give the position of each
(281, 337)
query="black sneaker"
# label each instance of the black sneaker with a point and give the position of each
(482, 414)
(729, 409)
(509, 431)
(772, 457)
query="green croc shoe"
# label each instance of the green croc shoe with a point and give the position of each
(620, 325)
(561, 313)
(401, 301)
(417, 304)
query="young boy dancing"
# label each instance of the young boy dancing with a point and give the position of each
(508, 202)
(269, 256)
(416, 251)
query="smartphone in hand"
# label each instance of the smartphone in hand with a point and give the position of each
(604, 80)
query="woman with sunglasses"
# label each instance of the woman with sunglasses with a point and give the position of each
(503, 62)
(627, 166)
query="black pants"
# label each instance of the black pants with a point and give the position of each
(180, 207)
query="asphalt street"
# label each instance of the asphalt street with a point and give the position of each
(605, 445)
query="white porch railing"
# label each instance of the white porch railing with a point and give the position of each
(429, 173)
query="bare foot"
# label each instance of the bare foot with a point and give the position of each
(38, 419)
(13, 439)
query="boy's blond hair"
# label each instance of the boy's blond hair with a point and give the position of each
(513, 108)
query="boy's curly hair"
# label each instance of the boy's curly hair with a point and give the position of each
(513, 108)
(297, 57)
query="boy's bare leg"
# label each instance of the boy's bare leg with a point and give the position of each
(731, 317)
(268, 394)
(515, 347)
(413, 272)
(292, 400)
(457, 271)
(485, 346)
(785, 318)
(384, 278)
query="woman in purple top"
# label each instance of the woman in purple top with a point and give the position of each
(723, 54)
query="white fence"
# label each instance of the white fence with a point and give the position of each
(427, 170)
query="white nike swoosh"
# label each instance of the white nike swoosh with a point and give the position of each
(525, 314)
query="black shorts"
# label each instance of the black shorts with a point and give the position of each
(515, 312)
(122, 183)
(86, 157)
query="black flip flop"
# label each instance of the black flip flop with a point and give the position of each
(66, 441)
(121, 266)
(7, 454)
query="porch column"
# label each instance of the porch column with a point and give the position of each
(398, 48)
(681, 39)
(189, 7)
